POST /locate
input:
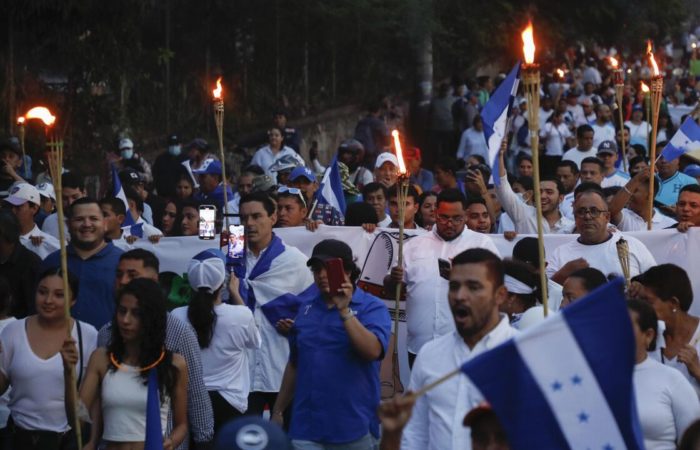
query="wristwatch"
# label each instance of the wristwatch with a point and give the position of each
(347, 316)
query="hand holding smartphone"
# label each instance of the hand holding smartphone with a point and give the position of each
(336, 274)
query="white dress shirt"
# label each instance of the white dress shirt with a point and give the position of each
(428, 314)
(49, 244)
(436, 421)
(605, 132)
(265, 158)
(602, 256)
(631, 221)
(525, 216)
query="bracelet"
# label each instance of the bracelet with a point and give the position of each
(624, 188)
(348, 316)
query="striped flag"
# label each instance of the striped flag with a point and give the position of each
(331, 190)
(118, 192)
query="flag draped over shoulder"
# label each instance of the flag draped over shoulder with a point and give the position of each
(495, 116)
(686, 140)
(118, 192)
(567, 383)
(331, 190)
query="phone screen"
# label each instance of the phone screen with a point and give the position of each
(335, 273)
(236, 244)
(207, 217)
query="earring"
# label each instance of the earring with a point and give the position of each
(674, 310)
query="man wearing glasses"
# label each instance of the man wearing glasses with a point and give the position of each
(596, 245)
(291, 207)
(428, 314)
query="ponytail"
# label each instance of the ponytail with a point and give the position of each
(202, 316)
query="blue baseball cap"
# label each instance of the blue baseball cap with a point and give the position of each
(210, 166)
(302, 172)
(692, 170)
(251, 433)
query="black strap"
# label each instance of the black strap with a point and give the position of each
(80, 349)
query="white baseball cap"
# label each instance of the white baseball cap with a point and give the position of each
(22, 193)
(207, 270)
(46, 190)
(384, 158)
(125, 143)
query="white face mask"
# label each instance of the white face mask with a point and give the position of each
(127, 153)
(174, 150)
(520, 196)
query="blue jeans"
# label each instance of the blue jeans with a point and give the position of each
(367, 442)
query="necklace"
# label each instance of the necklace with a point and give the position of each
(116, 363)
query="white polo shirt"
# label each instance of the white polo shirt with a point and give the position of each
(428, 314)
(631, 221)
(49, 244)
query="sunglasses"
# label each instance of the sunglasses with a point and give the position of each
(292, 191)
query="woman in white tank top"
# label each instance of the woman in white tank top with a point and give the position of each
(121, 380)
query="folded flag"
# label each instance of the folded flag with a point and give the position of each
(331, 190)
(495, 116)
(154, 429)
(118, 192)
(567, 383)
(133, 230)
(686, 140)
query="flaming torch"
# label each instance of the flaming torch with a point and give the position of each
(647, 106)
(619, 83)
(219, 120)
(657, 85)
(402, 194)
(20, 125)
(531, 83)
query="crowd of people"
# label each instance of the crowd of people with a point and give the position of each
(285, 337)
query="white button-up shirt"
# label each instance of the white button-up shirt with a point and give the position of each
(436, 421)
(428, 314)
(49, 244)
(525, 216)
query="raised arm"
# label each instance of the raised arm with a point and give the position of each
(622, 196)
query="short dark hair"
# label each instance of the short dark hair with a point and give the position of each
(116, 204)
(591, 278)
(636, 160)
(9, 227)
(570, 164)
(133, 195)
(359, 213)
(555, 180)
(478, 157)
(268, 203)
(611, 190)
(523, 157)
(288, 194)
(527, 250)
(373, 187)
(694, 188)
(593, 160)
(668, 281)
(412, 192)
(585, 128)
(449, 164)
(588, 186)
(483, 256)
(646, 318)
(82, 201)
(526, 182)
(475, 201)
(147, 258)
(253, 169)
(639, 148)
(451, 196)
(72, 180)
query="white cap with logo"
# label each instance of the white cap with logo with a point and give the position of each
(22, 193)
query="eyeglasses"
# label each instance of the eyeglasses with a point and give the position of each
(455, 220)
(292, 191)
(594, 212)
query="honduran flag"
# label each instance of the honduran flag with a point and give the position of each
(567, 382)
(118, 192)
(686, 140)
(331, 190)
(495, 116)
(154, 429)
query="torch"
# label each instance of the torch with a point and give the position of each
(619, 82)
(657, 85)
(401, 194)
(20, 125)
(531, 83)
(647, 106)
(55, 159)
(219, 120)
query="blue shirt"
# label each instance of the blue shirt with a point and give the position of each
(670, 188)
(95, 303)
(337, 391)
(424, 178)
(216, 197)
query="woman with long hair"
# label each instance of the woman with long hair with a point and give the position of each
(224, 333)
(189, 218)
(425, 217)
(665, 399)
(123, 378)
(32, 365)
(172, 217)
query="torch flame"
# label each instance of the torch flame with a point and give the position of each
(645, 88)
(399, 153)
(42, 113)
(218, 91)
(560, 73)
(652, 61)
(613, 62)
(528, 44)
(20, 120)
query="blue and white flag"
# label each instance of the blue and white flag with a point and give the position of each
(567, 382)
(686, 140)
(495, 116)
(119, 193)
(331, 190)
(154, 429)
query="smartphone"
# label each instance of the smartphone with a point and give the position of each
(335, 273)
(444, 267)
(207, 222)
(236, 243)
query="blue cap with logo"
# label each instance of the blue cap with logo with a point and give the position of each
(251, 433)
(210, 166)
(302, 172)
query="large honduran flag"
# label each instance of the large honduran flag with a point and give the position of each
(495, 116)
(567, 383)
(686, 140)
(331, 190)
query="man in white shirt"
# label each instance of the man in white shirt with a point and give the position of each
(568, 174)
(476, 291)
(584, 147)
(576, 110)
(607, 152)
(596, 245)
(635, 194)
(603, 128)
(24, 201)
(427, 312)
(525, 216)
(592, 170)
(375, 194)
(386, 169)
